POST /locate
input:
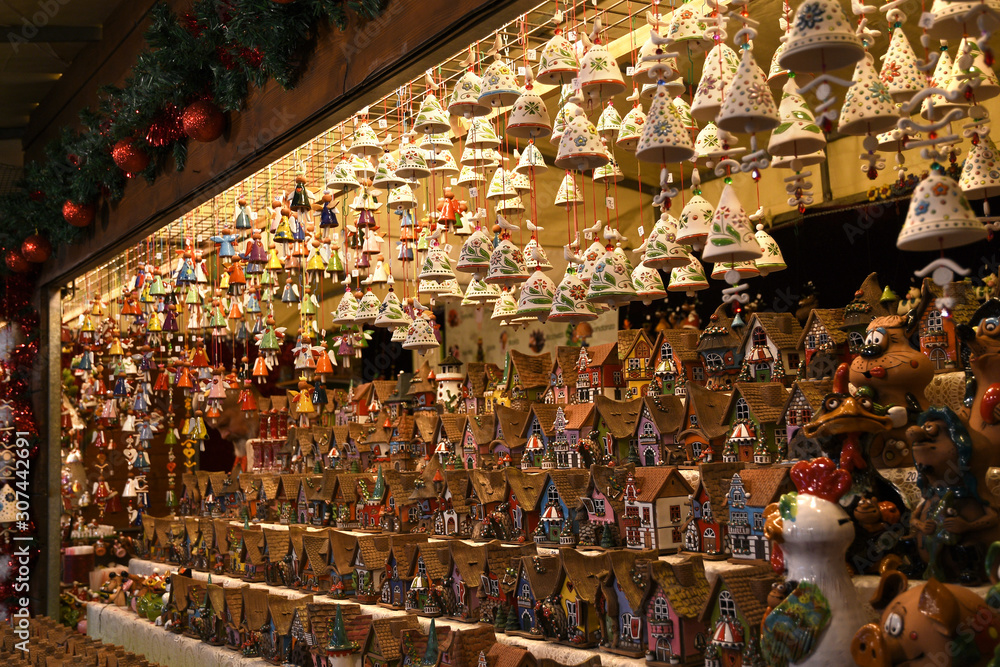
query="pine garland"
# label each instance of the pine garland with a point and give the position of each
(218, 51)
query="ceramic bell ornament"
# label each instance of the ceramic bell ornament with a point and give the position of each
(469, 177)
(591, 256)
(474, 256)
(431, 118)
(748, 105)
(776, 74)
(436, 266)
(464, 102)
(529, 119)
(662, 249)
(535, 299)
(412, 163)
(770, 260)
(981, 171)
(695, 222)
(501, 185)
(367, 308)
(939, 217)
(504, 308)
(385, 172)
(687, 27)
(648, 284)
(506, 261)
(390, 313)
(530, 159)
(630, 130)
(742, 271)
(446, 167)
(569, 304)
(481, 135)
(820, 39)
(609, 173)
(365, 142)
(600, 77)
(346, 309)
(611, 281)
(971, 75)
(534, 255)
(899, 71)
(428, 287)
(499, 88)
(521, 182)
(402, 198)
(510, 206)
(558, 62)
(797, 132)
(580, 147)
(609, 122)
(689, 278)
(868, 108)
(342, 178)
(420, 336)
(721, 63)
(399, 333)
(568, 194)
(451, 291)
(731, 238)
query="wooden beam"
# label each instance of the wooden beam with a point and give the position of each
(366, 61)
(50, 34)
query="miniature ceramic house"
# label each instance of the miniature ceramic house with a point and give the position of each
(468, 565)
(560, 502)
(635, 354)
(497, 581)
(337, 631)
(507, 439)
(753, 414)
(719, 347)
(347, 501)
(704, 431)
(769, 348)
(824, 343)
(804, 400)
(657, 505)
(462, 647)
(525, 378)
(676, 362)
(429, 566)
(275, 561)
(370, 567)
(578, 593)
(537, 579)
(256, 559)
(523, 505)
(449, 379)
(732, 615)
(314, 567)
(453, 429)
(489, 489)
(474, 388)
(615, 423)
(705, 531)
(605, 505)
(674, 600)
(936, 331)
(397, 583)
(382, 645)
(599, 373)
(233, 615)
(661, 419)
(751, 490)
(343, 547)
(476, 439)
(277, 642)
(579, 423)
(255, 617)
(562, 382)
(539, 435)
(420, 648)
(623, 589)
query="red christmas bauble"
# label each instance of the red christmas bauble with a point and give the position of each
(16, 261)
(36, 248)
(78, 215)
(129, 156)
(203, 121)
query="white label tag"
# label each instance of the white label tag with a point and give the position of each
(926, 20)
(159, 256)
(473, 192)
(641, 230)
(355, 273)
(520, 71)
(163, 348)
(447, 247)
(454, 181)
(576, 83)
(571, 36)
(382, 123)
(588, 235)
(629, 70)
(609, 203)
(531, 55)
(253, 215)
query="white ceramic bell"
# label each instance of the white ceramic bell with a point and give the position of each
(506, 264)
(721, 63)
(530, 159)
(939, 217)
(346, 309)
(771, 259)
(648, 284)
(797, 132)
(630, 131)
(820, 39)
(499, 87)
(365, 142)
(731, 238)
(868, 108)
(748, 105)
(529, 119)
(431, 118)
(981, 171)
(664, 138)
(412, 163)
(609, 122)
(464, 100)
(558, 63)
(420, 336)
(474, 256)
(695, 222)
(385, 172)
(367, 308)
(569, 304)
(689, 278)
(899, 71)
(436, 266)
(481, 135)
(390, 313)
(568, 193)
(580, 147)
(535, 299)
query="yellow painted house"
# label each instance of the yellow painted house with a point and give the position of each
(634, 351)
(581, 585)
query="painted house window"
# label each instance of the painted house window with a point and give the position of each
(648, 431)
(675, 513)
(661, 610)
(525, 591)
(666, 351)
(633, 365)
(713, 361)
(698, 373)
(739, 518)
(571, 613)
(421, 568)
(856, 340)
(618, 377)
(934, 324)
(706, 511)
(693, 421)
(727, 605)
(536, 428)
(742, 410)
(599, 506)
(759, 338)
(631, 627)
(414, 514)
(758, 521)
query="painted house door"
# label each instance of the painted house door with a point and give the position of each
(662, 650)
(526, 623)
(762, 372)
(650, 457)
(709, 542)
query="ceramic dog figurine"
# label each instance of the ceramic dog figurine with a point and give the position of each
(899, 375)
(932, 625)
(952, 523)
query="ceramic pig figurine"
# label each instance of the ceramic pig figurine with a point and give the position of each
(932, 625)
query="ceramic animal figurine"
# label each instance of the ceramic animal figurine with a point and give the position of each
(931, 625)
(812, 627)
(952, 523)
(899, 374)
(877, 529)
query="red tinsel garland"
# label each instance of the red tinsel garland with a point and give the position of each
(16, 308)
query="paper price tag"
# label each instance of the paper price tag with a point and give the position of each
(588, 235)
(447, 248)
(629, 70)
(382, 123)
(454, 181)
(253, 215)
(520, 71)
(571, 36)
(576, 83)
(641, 230)
(159, 256)
(926, 20)
(609, 203)
(532, 55)
(473, 192)
(355, 273)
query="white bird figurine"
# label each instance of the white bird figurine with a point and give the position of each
(590, 232)
(571, 256)
(502, 221)
(495, 50)
(610, 234)
(532, 227)
(429, 80)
